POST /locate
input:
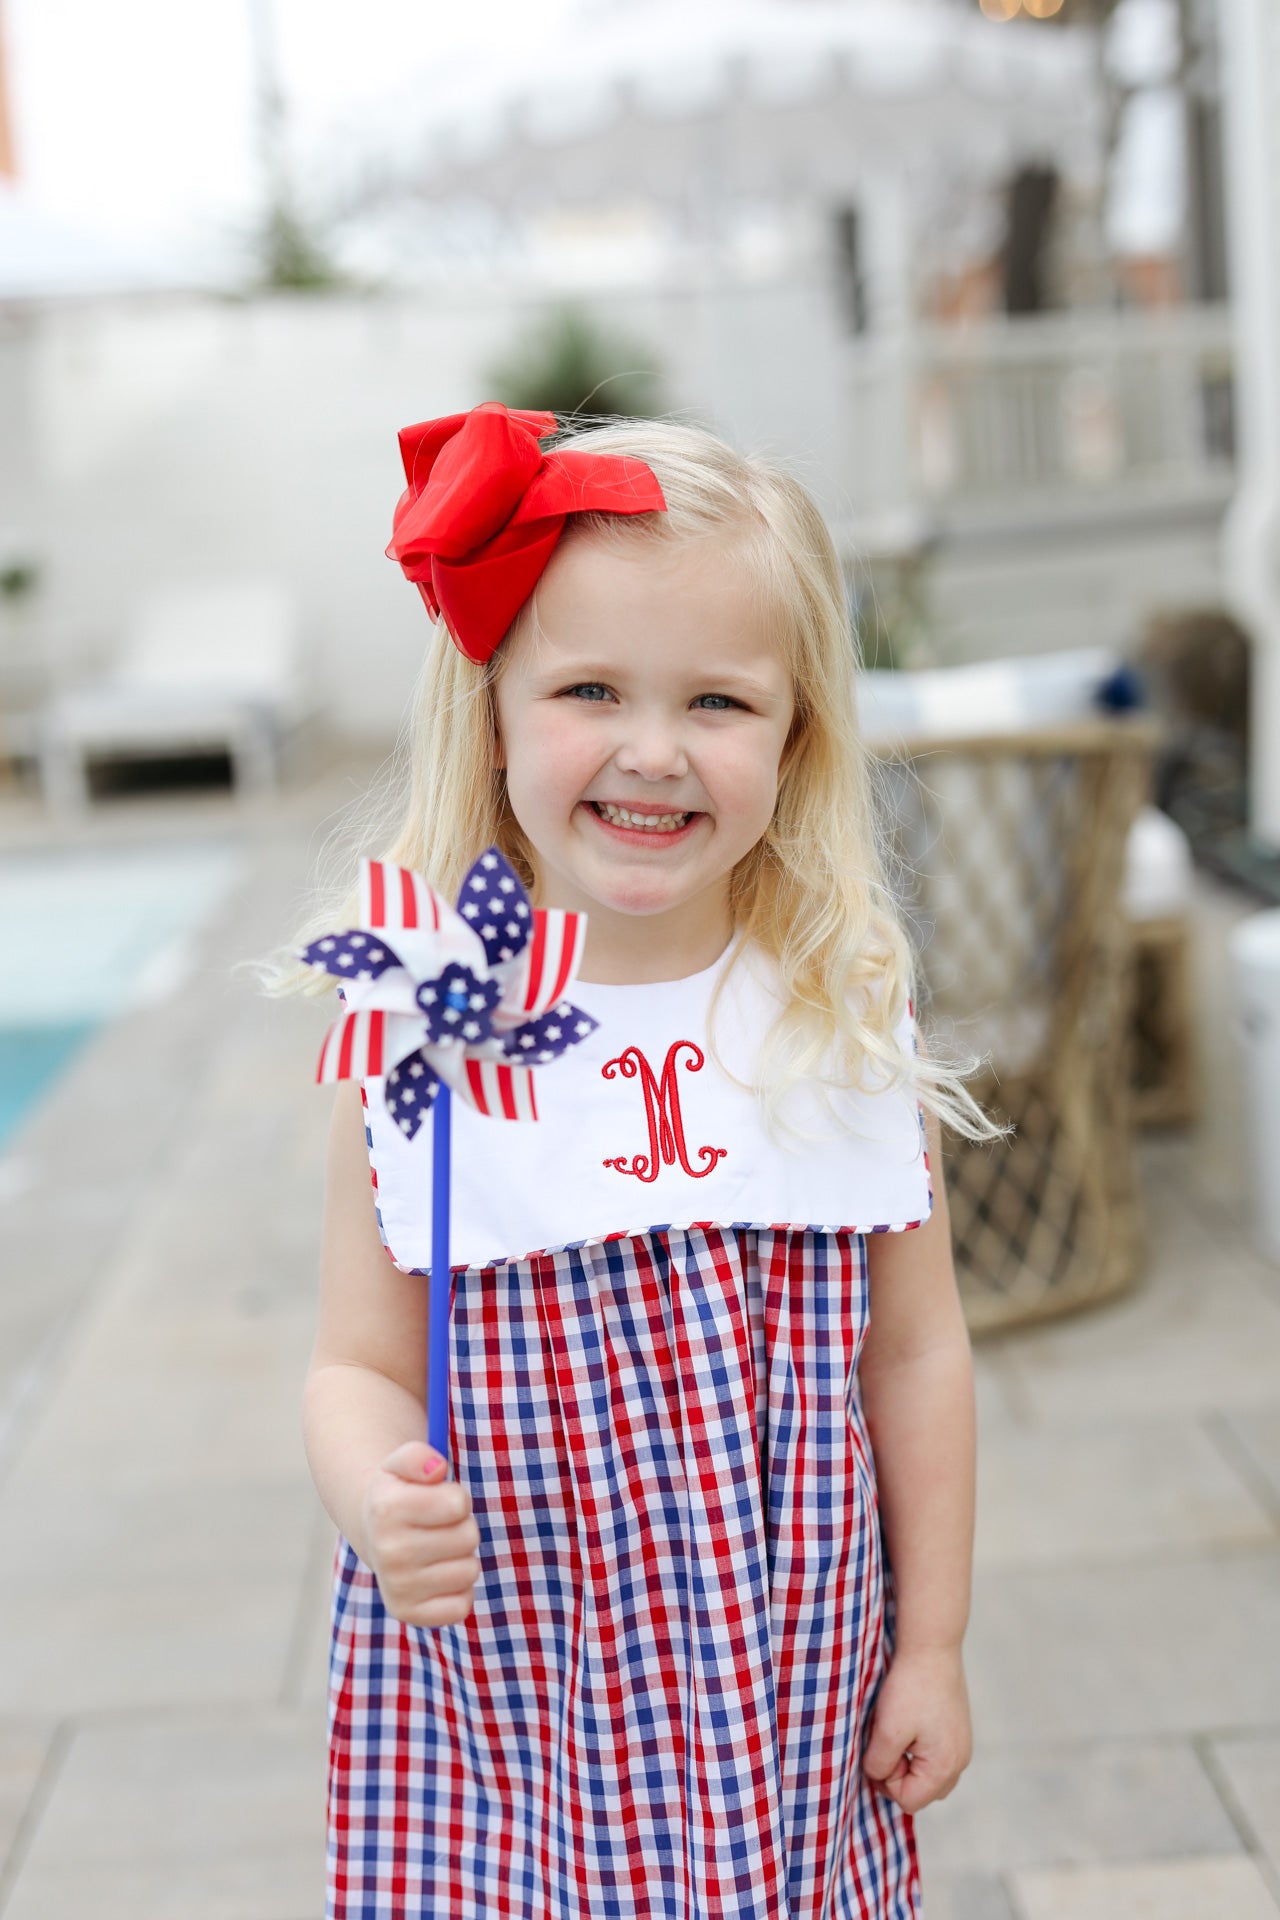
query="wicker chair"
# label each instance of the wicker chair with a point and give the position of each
(1013, 856)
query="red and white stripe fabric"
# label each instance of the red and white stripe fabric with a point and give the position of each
(549, 961)
(354, 1048)
(393, 897)
(365, 1045)
(499, 1091)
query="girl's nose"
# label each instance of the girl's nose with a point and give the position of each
(654, 750)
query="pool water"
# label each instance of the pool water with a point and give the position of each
(86, 936)
(30, 1060)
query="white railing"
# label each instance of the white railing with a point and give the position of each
(1008, 417)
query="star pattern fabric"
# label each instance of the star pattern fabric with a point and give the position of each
(459, 1005)
(496, 907)
(540, 1040)
(410, 1092)
(352, 956)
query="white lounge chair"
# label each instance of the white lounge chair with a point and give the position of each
(204, 668)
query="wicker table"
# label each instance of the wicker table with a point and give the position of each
(1010, 850)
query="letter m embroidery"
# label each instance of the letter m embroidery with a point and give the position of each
(662, 1111)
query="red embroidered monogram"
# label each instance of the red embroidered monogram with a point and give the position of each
(662, 1111)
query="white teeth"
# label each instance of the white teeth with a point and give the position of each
(624, 817)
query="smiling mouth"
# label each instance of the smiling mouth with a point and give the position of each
(633, 818)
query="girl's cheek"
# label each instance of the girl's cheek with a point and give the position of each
(565, 741)
(750, 766)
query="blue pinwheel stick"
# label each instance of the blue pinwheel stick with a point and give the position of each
(440, 1284)
(442, 1000)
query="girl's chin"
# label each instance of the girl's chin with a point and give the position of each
(637, 889)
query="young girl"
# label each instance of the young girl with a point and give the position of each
(680, 1634)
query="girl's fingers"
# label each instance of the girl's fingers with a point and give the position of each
(445, 1577)
(415, 1461)
(900, 1792)
(887, 1750)
(449, 1612)
(429, 1596)
(414, 1491)
(416, 1540)
(423, 1537)
(913, 1790)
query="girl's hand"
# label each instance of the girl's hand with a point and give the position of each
(921, 1739)
(421, 1538)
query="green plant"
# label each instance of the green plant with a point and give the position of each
(570, 365)
(292, 255)
(889, 606)
(19, 578)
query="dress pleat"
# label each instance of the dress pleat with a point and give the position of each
(659, 1702)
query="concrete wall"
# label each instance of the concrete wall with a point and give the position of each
(188, 440)
(1090, 580)
(155, 443)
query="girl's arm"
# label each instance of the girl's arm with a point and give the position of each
(364, 1404)
(916, 1375)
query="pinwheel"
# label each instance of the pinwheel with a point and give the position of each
(442, 1000)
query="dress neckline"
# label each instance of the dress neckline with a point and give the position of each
(687, 981)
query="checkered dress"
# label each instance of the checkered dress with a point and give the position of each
(659, 1703)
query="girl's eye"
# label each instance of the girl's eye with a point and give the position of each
(596, 691)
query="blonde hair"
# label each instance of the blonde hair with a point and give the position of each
(812, 893)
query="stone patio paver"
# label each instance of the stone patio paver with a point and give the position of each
(1120, 1488)
(1210, 1889)
(1165, 1644)
(967, 1896)
(169, 1597)
(307, 1681)
(1256, 1431)
(220, 1816)
(1077, 1804)
(1206, 1337)
(25, 1748)
(1250, 1765)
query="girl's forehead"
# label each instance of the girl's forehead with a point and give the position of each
(665, 599)
(588, 562)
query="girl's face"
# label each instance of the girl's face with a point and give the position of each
(642, 734)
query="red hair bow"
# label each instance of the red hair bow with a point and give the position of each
(484, 508)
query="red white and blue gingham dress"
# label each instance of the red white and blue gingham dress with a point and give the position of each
(659, 1703)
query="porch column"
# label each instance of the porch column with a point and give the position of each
(884, 424)
(1251, 532)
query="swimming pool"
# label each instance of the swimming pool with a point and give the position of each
(85, 936)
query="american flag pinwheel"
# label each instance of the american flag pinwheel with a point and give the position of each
(471, 997)
(441, 1000)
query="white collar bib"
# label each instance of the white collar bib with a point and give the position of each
(641, 1130)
